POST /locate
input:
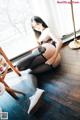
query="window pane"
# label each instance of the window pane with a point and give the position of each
(16, 34)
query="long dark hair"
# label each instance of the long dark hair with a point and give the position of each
(38, 20)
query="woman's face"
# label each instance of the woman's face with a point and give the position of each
(37, 26)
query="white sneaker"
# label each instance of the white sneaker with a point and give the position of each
(35, 99)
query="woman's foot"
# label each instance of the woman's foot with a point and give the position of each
(34, 100)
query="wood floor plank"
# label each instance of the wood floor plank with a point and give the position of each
(63, 85)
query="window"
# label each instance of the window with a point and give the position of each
(16, 35)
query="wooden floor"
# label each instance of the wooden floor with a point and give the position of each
(63, 85)
(62, 92)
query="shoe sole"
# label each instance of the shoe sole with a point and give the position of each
(38, 105)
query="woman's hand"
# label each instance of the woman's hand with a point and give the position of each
(52, 59)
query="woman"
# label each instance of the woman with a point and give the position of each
(46, 39)
(44, 57)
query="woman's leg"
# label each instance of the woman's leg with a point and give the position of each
(27, 61)
(24, 63)
(39, 60)
(41, 68)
